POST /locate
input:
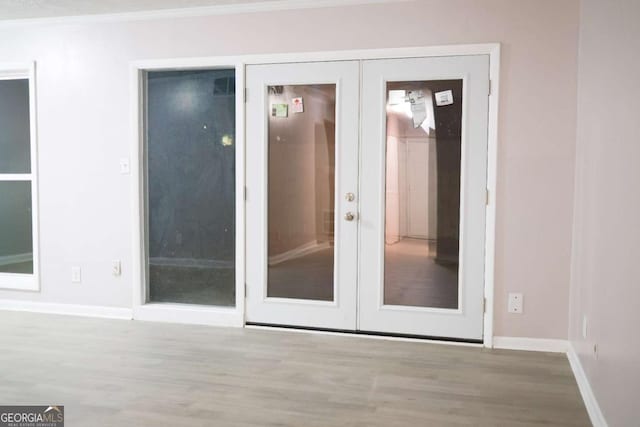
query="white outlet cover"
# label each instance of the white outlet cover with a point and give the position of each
(584, 327)
(515, 303)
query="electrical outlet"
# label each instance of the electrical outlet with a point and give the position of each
(515, 303)
(584, 327)
(116, 268)
(76, 275)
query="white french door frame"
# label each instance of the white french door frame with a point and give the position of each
(236, 316)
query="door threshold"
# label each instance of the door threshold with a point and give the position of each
(368, 334)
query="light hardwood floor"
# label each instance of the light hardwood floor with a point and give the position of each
(132, 373)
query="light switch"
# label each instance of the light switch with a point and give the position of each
(116, 268)
(76, 275)
(124, 166)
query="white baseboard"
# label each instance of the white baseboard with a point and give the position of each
(531, 344)
(189, 314)
(302, 250)
(16, 259)
(595, 414)
(68, 309)
(172, 313)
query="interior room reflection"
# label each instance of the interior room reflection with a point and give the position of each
(422, 193)
(191, 186)
(301, 191)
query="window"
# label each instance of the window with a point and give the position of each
(18, 179)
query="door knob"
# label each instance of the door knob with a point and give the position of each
(349, 216)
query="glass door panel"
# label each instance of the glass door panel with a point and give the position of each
(422, 206)
(301, 191)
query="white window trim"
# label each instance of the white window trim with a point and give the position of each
(15, 281)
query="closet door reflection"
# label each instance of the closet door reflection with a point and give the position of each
(423, 166)
(301, 191)
(190, 159)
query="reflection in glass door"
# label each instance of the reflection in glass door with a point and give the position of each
(301, 191)
(422, 220)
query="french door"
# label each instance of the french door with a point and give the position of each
(366, 195)
(302, 174)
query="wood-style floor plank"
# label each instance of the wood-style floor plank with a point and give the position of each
(132, 373)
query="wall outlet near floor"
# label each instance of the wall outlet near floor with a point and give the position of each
(515, 303)
(76, 275)
(116, 267)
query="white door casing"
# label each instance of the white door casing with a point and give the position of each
(358, 303)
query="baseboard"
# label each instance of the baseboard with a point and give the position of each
(16, 259)
(302, 250)
(595, 414)
(189, 314)
(68, 309)
(531, 344)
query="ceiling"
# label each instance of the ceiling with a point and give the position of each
(26, 9)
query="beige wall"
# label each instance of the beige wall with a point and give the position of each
(605, 283)
(83, 89)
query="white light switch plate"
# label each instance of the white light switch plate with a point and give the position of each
(76, 275)
(515, 303)
(116, 268)
(124, 166)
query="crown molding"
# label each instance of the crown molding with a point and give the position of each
(187, 12)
